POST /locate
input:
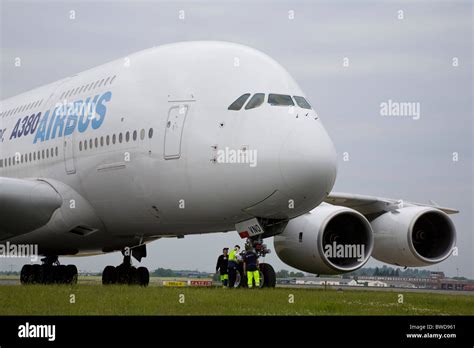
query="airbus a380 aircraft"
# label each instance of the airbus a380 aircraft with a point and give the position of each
(144, 147)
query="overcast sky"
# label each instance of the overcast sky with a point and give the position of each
(404, 60)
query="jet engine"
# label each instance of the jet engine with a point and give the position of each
(328, 240)
(413, 236)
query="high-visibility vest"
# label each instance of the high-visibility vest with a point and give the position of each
(233, 256)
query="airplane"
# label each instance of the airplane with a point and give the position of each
(191, 138)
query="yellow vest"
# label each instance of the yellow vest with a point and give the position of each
(232, 256)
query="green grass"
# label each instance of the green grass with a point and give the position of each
(134, 300)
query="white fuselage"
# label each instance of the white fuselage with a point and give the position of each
(163, 179)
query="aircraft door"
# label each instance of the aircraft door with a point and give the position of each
(69, 154)
(174, 130)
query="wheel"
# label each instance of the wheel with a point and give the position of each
(143, 276)
(123, 274)
(109, 275)
(240, 278)
(70, 275)
(58, 274)
(268, 276)
(48, 274)
(38, 274)
(132, 276)
(26, 275)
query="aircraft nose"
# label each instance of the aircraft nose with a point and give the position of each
(308, 162)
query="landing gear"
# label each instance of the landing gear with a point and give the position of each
(126, 274)
(267, 277)
(267, 273)
(49, 272)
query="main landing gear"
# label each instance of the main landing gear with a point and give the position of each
(126, 274)
(49, 272)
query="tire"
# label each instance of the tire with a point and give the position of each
(109, 275)
(57, 274)
(123, 274)
(143, 276)
(132, 276)
(37, 274)
(71, 274)
(240, 278)
(268, 275)
(26, 275)
(49, 274)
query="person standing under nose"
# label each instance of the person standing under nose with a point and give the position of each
(221, 267)
(251, 267)
(232, 265)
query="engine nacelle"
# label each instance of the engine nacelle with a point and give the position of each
(413, 236)
(73, 217)
(328, 240)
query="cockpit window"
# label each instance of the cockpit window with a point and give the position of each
(280, 99)
(255, 101)
(239, 102)
(302, 103)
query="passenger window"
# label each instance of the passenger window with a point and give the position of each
(255, 101)
(280, 100)
(239, 102)
(302, 103)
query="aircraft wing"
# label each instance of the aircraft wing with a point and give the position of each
(25, 205)
(368, 205)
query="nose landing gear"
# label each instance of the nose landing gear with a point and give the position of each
(267, 273)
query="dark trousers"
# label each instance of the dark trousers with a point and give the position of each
(232, 269)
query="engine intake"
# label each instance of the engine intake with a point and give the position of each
(328, 240)
(413, 236)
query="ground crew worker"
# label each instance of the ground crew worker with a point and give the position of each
(221, 267)
(232, 265)
(251, 267)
